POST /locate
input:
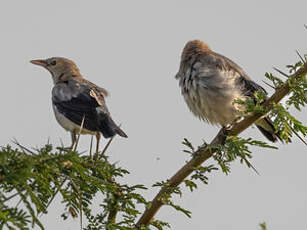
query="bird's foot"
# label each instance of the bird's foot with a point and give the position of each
(224, 132)
(235, 121)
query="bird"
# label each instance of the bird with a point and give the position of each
(79, 105)
(211, 83)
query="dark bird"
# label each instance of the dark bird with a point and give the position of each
(77, 102)
(210, 83)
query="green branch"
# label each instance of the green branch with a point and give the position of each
(202, 154)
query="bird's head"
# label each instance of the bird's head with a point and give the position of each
(190, 51)
(194, 47)
(60, 68)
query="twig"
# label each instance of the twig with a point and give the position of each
(10, 197)
(18, 203)
(113, 213)
(54, 195)
(81, 127)
(269, 84)
(296, 134)
(80, 201)
(205, 153)
(302, 59)
(282, 73)
(105, 148)
(22, 147)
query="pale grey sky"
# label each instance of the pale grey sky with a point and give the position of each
(132, 48)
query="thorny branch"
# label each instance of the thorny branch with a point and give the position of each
(202, 154)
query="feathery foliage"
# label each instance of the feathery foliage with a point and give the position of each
(233, 147)
(34, 178)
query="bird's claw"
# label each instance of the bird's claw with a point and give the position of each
(224, 132)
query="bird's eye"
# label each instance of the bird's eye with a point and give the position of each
(53, 63)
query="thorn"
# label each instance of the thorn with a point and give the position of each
(296, 134)
(269, 85)
(22, 147)
(251, 166)
(255, 170)
(302, 59)
(282, 73)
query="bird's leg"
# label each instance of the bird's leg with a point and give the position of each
(91, 146)
(98, 135)
(73, 139)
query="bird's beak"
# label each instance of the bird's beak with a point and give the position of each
(39, 62)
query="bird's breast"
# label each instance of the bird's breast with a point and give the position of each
(211, 99)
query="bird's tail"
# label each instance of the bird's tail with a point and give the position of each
(267, 128)
(108, 128)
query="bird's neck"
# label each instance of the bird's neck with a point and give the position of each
(65, 76)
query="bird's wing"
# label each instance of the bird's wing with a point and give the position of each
(249, 87)
(79, 101)
(214, 64)
(103, 92)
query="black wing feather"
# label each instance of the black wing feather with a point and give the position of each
(79, 107)
(78, 103)
(249, 87)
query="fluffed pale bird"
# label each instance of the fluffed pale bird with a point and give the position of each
(210, 83)
(79, 105)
